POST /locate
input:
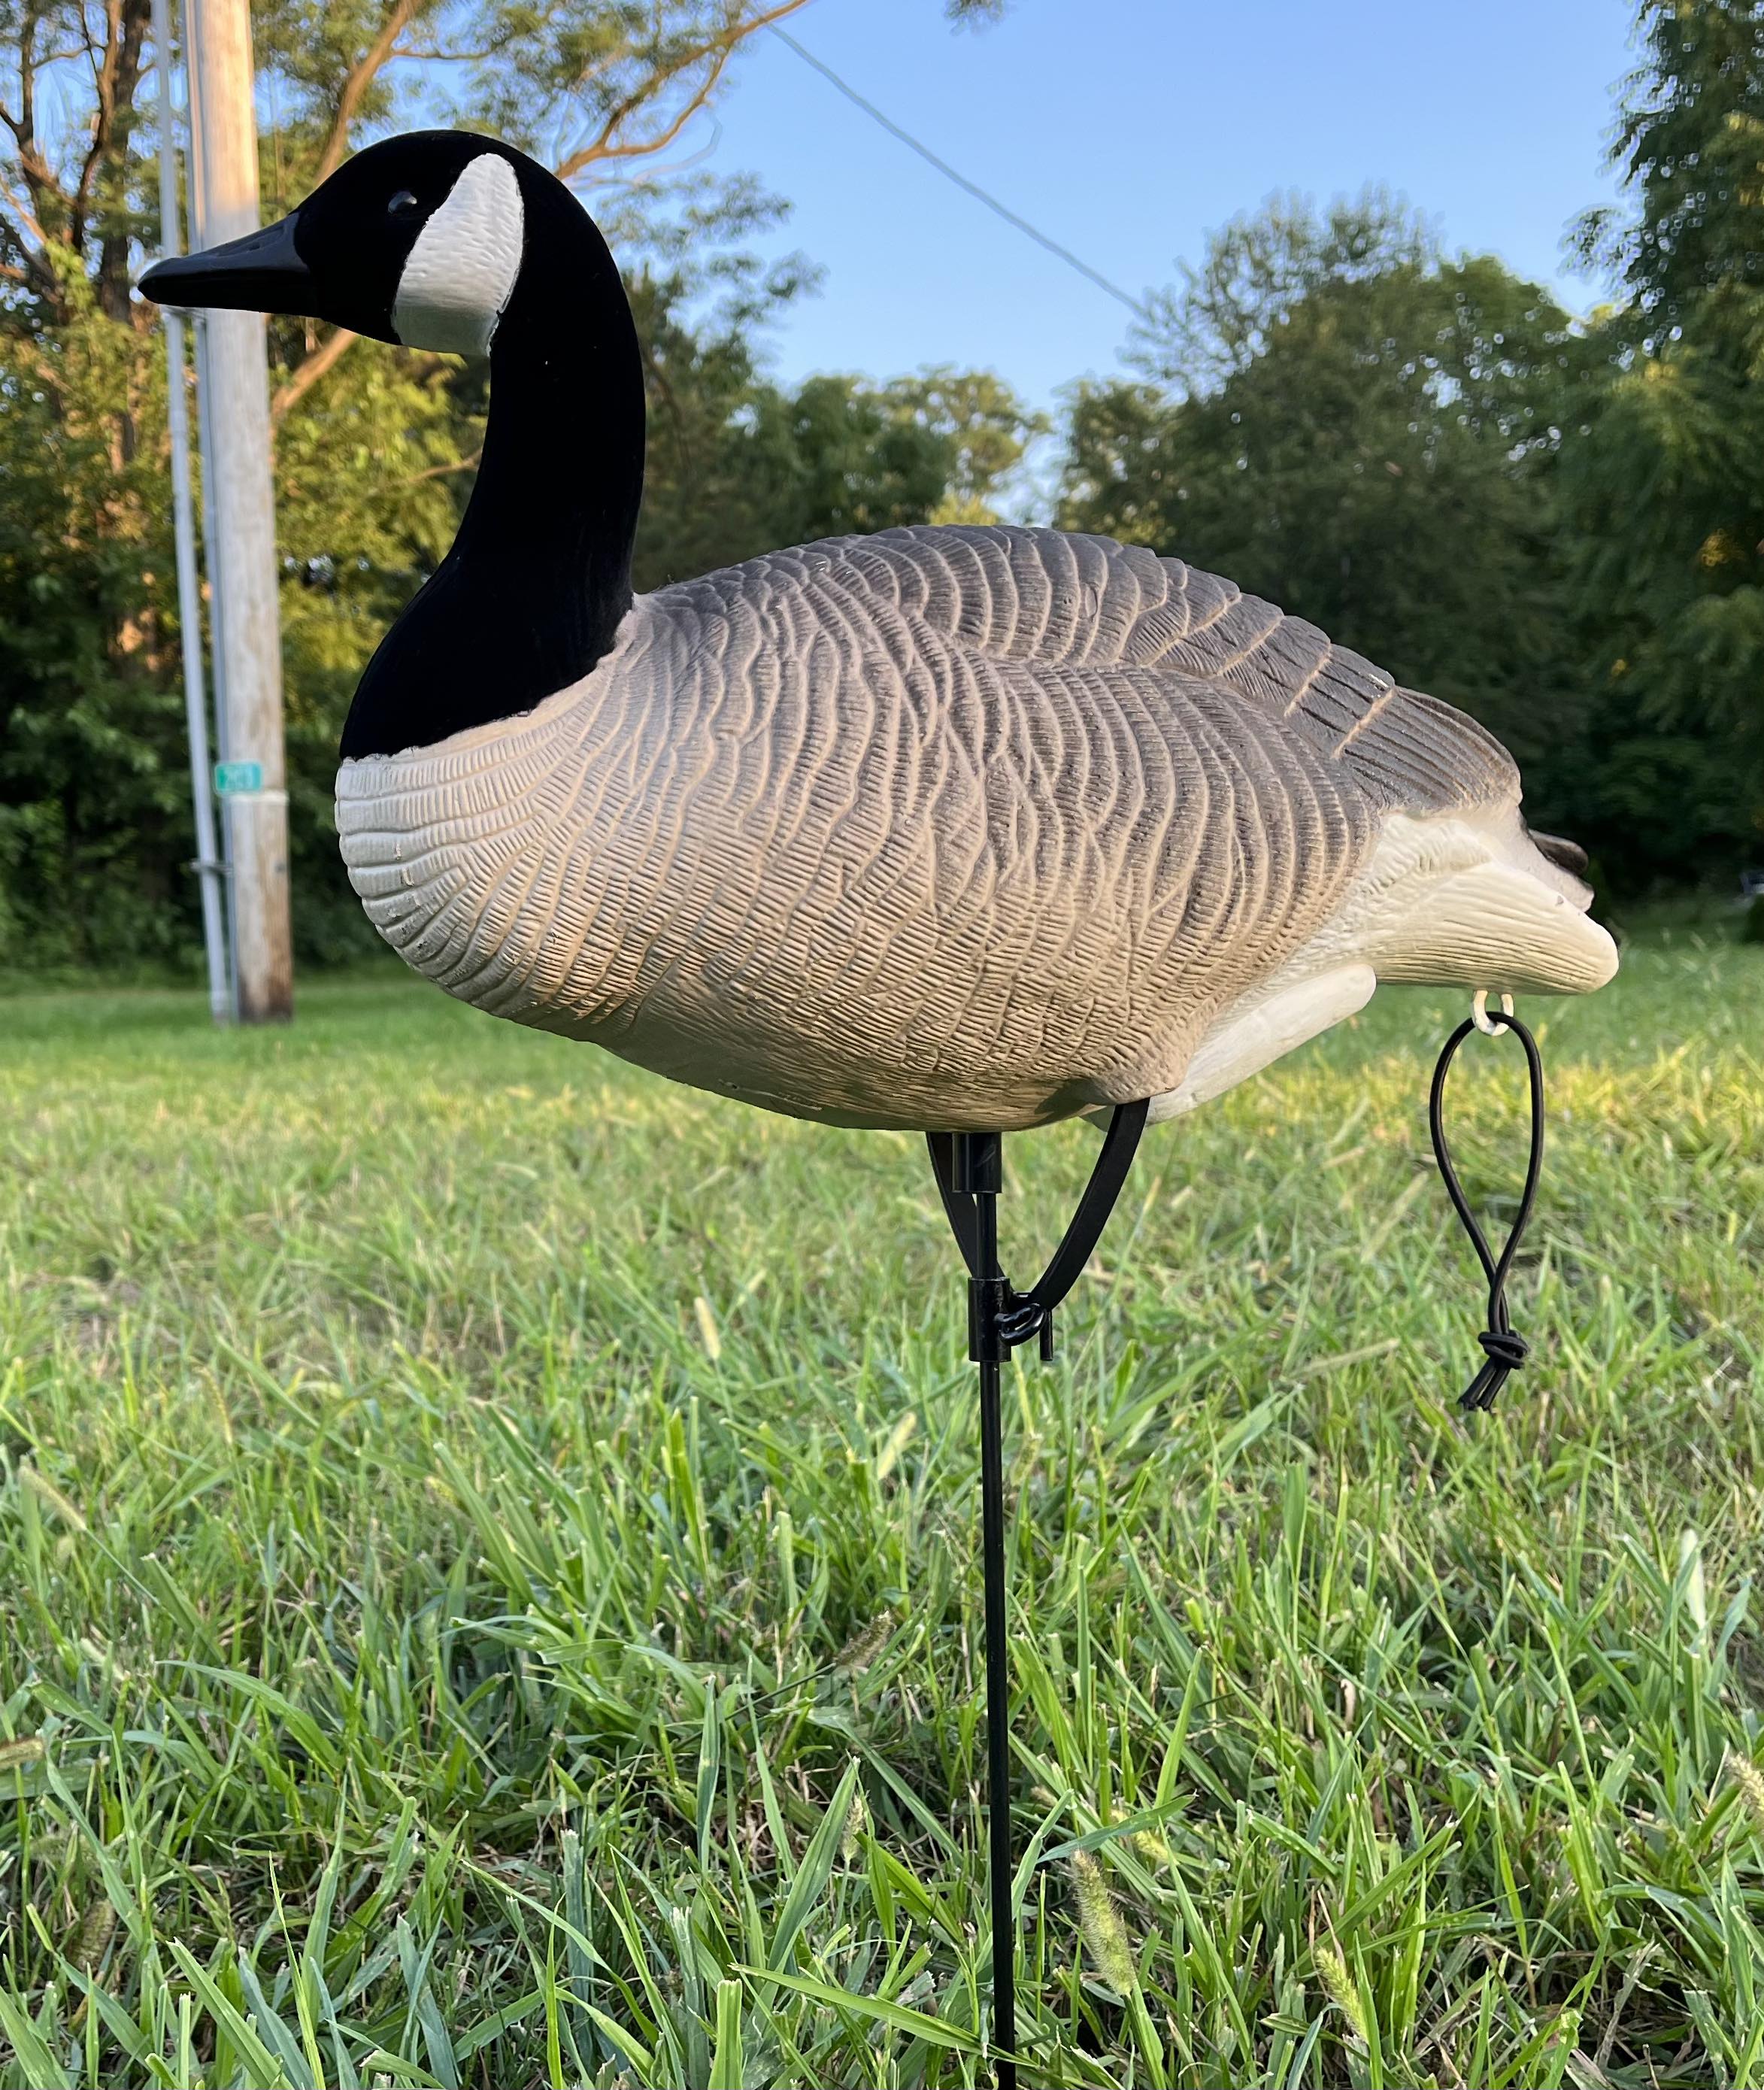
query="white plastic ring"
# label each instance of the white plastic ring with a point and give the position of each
(1479, 1012)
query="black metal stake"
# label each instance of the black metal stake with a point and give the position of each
(978, 1172)
(969, 1167)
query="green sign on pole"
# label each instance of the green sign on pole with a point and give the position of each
(232, 779)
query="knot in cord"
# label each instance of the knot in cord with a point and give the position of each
(1504, 1350)
(1024, 1317)
(1505, 1347)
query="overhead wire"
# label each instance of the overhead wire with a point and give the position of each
(981, 195)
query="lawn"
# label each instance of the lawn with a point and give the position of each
(489, 1587)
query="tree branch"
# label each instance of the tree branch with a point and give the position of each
(103, 65)
(308, 371)
(444, 471)
(127, 22)
(607, 145)
(361, 76)
(41, 182)
(27, 216)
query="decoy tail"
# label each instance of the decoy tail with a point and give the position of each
(1557, 850)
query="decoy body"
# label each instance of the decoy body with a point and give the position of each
(957, 828)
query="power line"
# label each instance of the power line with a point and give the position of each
(961, 180)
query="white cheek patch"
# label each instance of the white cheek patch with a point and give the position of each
(462, 270)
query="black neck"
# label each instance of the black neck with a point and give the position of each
(533, 592)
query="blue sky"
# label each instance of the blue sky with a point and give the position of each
(1127, 130)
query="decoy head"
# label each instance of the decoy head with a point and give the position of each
(417, 241)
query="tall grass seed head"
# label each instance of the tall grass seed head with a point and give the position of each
(1749, 1782)
(1104, 1934)
(1338, 1985)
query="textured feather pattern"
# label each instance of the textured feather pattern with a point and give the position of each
(944, 827)
(1040, 596)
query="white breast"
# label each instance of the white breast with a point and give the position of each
(475, 860)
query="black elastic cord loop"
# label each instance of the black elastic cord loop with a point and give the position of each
(1108, 1177)
(1503, 1348)
(1027, 1315)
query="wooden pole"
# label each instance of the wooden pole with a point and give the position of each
(240, 498)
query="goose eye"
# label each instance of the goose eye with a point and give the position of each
(403, 204)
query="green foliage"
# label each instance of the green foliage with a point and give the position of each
(1665, 498)
(489, 1572)
(93, 778)
(738, 465)
(860, 457)
(870, 464)
(1690, 144)
(1365, 432)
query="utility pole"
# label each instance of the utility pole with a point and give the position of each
(239, 498)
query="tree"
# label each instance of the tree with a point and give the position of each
(1367, 432)
(93, 803)
(1690, 144)
(840, 455)
(739, 467)
(1665, 497)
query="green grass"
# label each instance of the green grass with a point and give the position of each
(489, 1590)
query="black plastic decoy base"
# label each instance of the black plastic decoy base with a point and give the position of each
(969, 1167)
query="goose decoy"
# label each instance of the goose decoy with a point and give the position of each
(944, 827)
(960, 829)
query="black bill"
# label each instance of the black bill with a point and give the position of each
(262, 273)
